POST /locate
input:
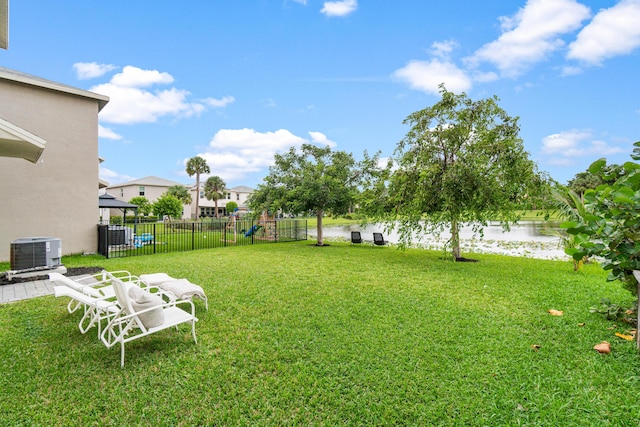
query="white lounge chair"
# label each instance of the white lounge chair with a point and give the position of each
(96, 309)
(96, 285)
(93, 293)
(181, 288)
(129, 323)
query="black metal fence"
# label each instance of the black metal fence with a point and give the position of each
(116, 241)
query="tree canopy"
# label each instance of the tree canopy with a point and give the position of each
(214, 190)
(586, 180)
(144, 206)
(462, 162)
(181, 193)
(231, 206)
(167, 205)
(312, 179)
(197, 166)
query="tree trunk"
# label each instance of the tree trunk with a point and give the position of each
(319, 231)
(216, 204)
(455, 240)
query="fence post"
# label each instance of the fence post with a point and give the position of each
(193, 235)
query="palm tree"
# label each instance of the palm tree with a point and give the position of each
(214, 190)
(196, 166)
(570, 207)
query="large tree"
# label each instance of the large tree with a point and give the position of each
(197, 166)
(311, 179)
(462, 162)
(181, 193)
(214, 190)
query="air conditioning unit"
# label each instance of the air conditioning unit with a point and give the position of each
(35, 252)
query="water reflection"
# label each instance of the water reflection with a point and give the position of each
(535, 239)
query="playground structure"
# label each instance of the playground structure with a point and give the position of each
(231, 227)
(267, 229)
(252, 230)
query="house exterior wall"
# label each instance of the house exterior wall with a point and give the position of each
(57, 197)
(239, 196)
(126, 192)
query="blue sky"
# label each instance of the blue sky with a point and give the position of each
(237, 81)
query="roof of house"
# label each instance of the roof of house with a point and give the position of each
(109, 201)
(17, 142)
(238, 189)
(241, 189)
(151, 181)
(20, 77)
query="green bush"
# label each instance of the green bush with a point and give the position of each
(231, 206)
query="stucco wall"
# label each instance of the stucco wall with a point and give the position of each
(128, 192)
(57, 197)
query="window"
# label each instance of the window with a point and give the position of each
(201, 194)
(141, 191)
(237, 196)
(121, 192)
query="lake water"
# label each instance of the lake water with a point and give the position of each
(534, 239)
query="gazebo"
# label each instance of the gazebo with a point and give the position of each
(108, 201)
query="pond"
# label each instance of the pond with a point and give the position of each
(534, 239)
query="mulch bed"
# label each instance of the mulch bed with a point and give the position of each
(77, 271)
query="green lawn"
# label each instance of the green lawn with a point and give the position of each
(338, 335)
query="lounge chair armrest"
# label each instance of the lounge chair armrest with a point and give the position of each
(165, 305)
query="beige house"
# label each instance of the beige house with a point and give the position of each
(153, 187)
(238, 194)
(150, 187)
(56, 127)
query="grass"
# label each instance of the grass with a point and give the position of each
(339, 335)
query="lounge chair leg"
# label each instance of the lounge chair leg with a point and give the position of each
(122, 354)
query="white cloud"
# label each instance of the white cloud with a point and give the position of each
(90, 70)
(218, 103)
(321, 139)
(565, 140)
(137, 77)
(612, 32)
(133, 101)
(567, 145)
(339, 8)
(233, 154)
(530, 35)
(107, 133)
(113, 177)
(427, 75)
(570, 71)
(444, 48)
(132, 105)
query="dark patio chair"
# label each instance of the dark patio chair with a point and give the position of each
(356, 237)
(379, 240)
